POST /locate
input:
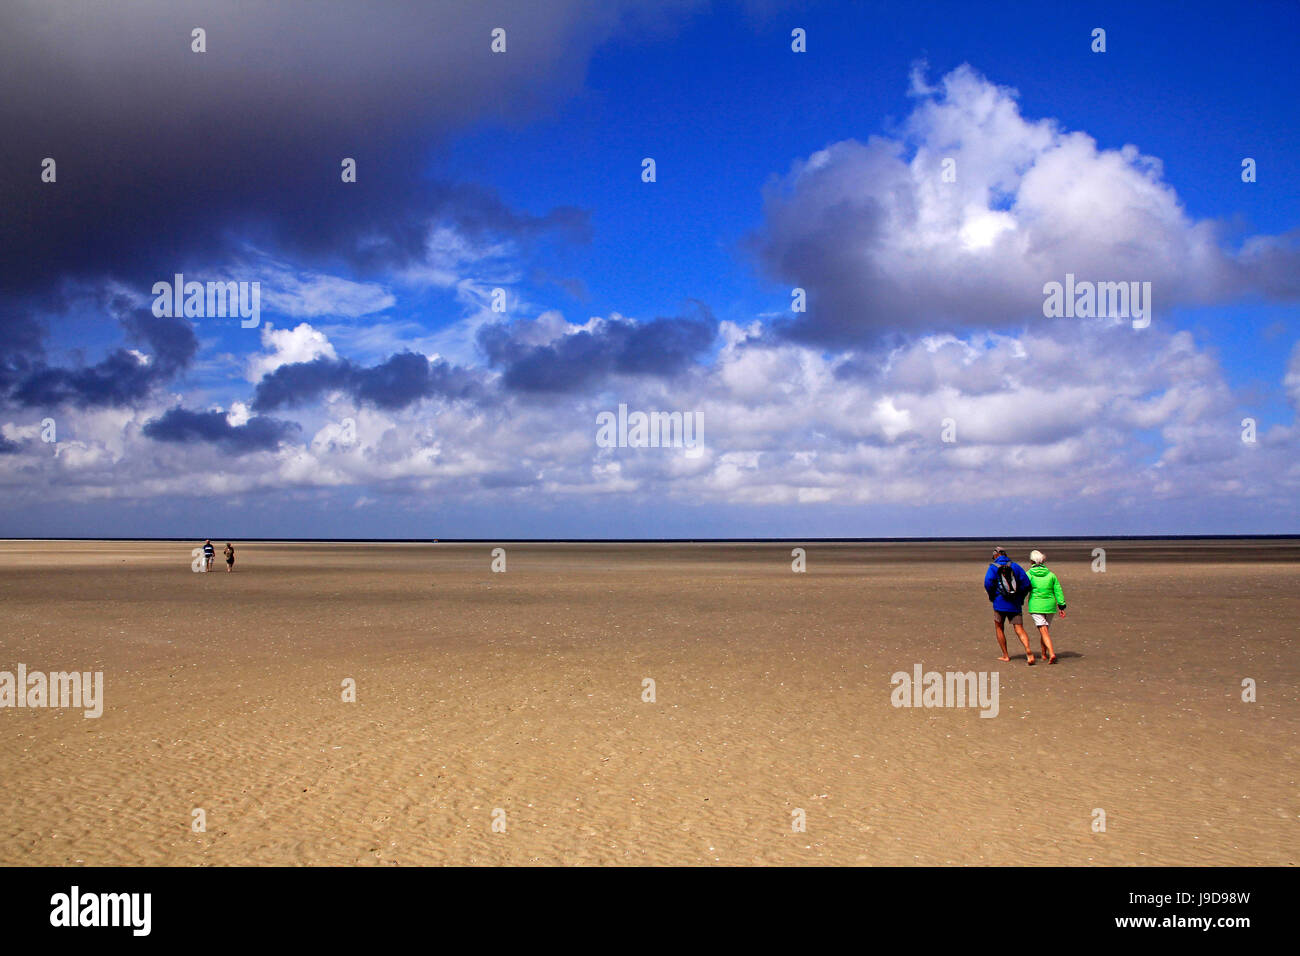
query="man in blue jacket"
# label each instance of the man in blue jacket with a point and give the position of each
(1006, 584)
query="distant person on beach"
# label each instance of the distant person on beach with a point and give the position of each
(1045, 600)
(209, 553)
(1006, 584)
(230, 557)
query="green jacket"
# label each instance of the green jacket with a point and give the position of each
(1046, 596)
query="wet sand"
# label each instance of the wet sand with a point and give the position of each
(522, 692)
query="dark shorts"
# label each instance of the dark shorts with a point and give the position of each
(1015, 617)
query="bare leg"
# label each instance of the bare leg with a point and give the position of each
(1024, 639)
(1002, 640)
(1048, 651)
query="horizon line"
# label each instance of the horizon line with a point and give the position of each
(781, 540)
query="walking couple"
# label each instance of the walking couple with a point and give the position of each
(1008, 585)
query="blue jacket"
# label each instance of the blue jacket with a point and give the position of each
(991, 585)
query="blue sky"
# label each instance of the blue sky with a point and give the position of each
(775, 169)
(720, 110)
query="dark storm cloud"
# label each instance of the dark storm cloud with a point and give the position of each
(406, 378)
(663, 347)
(301, 382)
(402, 380)
(118, 379)
(179, 425)
(8, 447)
(171, 341)
(21, 347)
(163, 154)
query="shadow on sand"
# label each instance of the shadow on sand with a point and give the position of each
(1063, 656)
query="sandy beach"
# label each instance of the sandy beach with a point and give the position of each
(522, 692)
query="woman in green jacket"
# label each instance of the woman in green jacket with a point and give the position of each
(1045, 599)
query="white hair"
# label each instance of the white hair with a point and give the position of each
(1037, 556)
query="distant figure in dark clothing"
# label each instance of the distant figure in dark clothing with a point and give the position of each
(230, 557)
(209, 553)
